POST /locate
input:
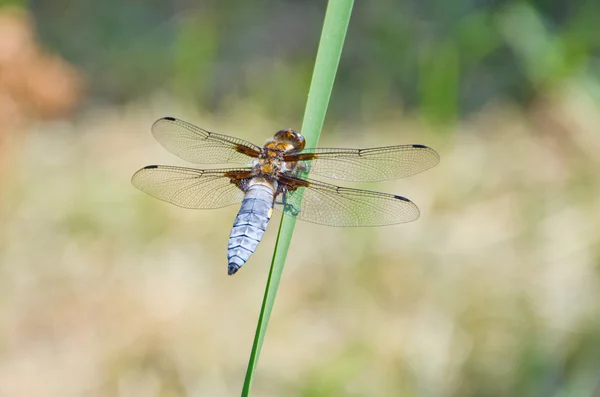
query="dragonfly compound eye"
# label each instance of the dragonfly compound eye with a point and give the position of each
(291, 137)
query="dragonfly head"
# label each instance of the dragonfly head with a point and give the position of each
(291, 138)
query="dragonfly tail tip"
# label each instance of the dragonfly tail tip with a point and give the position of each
(233, 268)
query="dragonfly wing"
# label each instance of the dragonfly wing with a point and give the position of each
(197, 145)
(366, 165)
(192, 188)
(331, 205)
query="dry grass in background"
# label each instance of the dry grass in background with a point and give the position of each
(107, 292)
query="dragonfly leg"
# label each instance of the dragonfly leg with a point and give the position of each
(301, 168)
(291, 210)
(287, 208)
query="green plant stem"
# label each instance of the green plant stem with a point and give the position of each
(333, 34)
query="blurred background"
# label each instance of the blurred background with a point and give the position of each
(495, 291)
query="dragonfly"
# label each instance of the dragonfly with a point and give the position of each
(274, 177)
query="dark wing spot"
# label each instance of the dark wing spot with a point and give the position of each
(402, 198)
(169, 118)
(149, 167)
(420, 146)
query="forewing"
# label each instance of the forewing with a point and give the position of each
(366, 165)
(331, 205)
(192, 188)
(197, 145)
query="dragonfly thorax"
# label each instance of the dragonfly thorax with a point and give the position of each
(269, 164)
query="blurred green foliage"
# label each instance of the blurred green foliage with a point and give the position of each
(445, 59)
(11, 2)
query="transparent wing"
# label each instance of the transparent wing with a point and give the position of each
(367, 165)
(192, 188)
(196, 145)
(331, 205)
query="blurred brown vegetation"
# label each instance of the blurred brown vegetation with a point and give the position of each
(104, 291)
(33, 84)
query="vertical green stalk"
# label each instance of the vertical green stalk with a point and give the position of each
(335, 26)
